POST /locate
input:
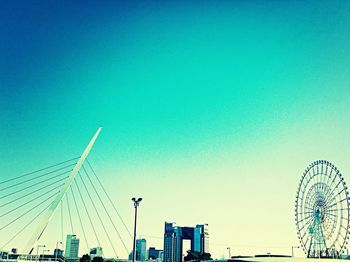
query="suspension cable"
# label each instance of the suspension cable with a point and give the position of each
(104, 207)
(33, 178)
(31, 200)
(37, 190)
(81, 223)
(42, 169)
(110, 200)
(38, 183)
(28, 211)
(98, 215)
(87, 211)
(20, 231)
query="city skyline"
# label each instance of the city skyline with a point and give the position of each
(211, 112)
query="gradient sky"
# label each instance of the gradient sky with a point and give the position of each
(210, 110)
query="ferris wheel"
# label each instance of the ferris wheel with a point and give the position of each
(322, 211)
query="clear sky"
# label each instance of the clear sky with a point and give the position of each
(210, 110)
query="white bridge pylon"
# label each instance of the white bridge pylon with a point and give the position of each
(33, 242)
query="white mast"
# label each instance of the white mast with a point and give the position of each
(46, 219)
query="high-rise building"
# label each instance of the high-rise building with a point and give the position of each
(201, 238)
(72, 246)
(174, 236)
(141, 251)
(169, 243)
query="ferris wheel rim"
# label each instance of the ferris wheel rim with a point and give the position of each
(322, 203)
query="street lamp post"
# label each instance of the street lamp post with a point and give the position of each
(56, 250)
(229, 252)
(293, 250)
(37, 250)
(136, 204)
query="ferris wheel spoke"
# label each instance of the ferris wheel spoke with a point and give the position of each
(339, 202)
(304, 233)
(331, 198)
(342, 218)
(330, 214)
(332, 204)
(338, 209)
(306, 224)
(311, 197)
(330, 194)
(308, 181)
(308, 208)
(337, 240)
(315, 174)
(326, 171)
(322, 168)
(330, 174)
(330, 185)
(323, 181)
(331, 222)
(330, 201)
(307, 241)
(344, 228)
(332, 218)
(342, 237)
(305, 228)
(324, 186)
(341, 191)
(305, 218)
(308, 212)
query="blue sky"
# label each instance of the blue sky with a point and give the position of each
(201, 98)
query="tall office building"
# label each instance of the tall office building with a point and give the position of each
(201, 238)
(174, 236)
(141, 251)
(169, 243)
(72, 246)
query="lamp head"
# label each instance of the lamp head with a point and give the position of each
(139, 200)
(133, 199)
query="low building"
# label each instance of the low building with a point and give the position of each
(141, 251)
(96, 252)
(58, 252)
(155, 254)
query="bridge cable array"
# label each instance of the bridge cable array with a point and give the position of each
(34, 191)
